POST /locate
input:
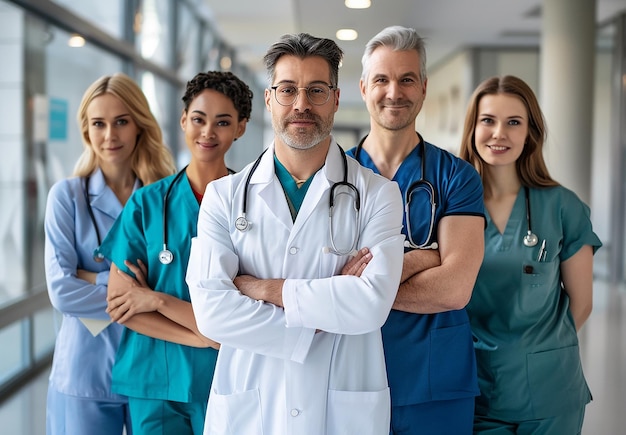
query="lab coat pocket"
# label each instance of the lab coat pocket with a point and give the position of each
(358, 412)
(556, 381)
(234, 414)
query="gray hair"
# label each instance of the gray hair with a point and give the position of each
(397, 38)
(304, 45)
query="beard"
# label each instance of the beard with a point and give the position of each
(306, 137)
(396, 119)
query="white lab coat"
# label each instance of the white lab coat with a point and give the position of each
(275, 375)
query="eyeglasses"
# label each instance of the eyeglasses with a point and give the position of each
(318, 94)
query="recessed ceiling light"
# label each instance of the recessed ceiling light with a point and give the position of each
(76, 41)
(225, 63)
(346, 34)
(358, 4)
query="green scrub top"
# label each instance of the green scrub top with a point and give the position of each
(525, 338)
(146, 367)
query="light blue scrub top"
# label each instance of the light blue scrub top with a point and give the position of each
(146, 367)
(527, 348)
(82, 363)
(430, 356)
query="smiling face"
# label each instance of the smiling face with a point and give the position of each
(211, 124)
(302, 125)
(393, 90)
(501, 129)
(112, 132)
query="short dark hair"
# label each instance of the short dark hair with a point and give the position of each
(304, 45)
(225, 82)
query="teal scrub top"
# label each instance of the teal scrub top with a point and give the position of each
(146, 367)
(525, 338)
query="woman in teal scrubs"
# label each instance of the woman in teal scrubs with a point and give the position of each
(164, 365)
(534, 289)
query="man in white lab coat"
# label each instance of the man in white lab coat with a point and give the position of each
(296, 298)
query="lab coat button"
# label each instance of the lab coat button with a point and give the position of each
(295, 412)
(293, 250)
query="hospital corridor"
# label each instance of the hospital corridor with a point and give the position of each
(570, 54)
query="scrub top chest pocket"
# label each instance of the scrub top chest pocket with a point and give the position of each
(539, 277)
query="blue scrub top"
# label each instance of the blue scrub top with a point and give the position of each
(527, 347)
(146, 367)
(82, 363)
(431, 356)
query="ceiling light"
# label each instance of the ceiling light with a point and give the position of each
(346, 34)
(358, 4)
(76, 41)
(225, 63)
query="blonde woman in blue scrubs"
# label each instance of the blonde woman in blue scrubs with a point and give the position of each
(123, 150)
(164, 365)
(534, 288)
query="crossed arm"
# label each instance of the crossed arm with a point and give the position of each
(134, 304)
(271, 290)
(437, 281)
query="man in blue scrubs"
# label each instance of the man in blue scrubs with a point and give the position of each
(427, 338)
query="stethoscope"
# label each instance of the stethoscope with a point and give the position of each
(165, 255)
(420, 184)
(97, 256)
(243, 224)
(530, 239)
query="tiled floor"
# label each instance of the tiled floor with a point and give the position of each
(603, 349)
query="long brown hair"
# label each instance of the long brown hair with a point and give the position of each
(151, 159)
(531, 167)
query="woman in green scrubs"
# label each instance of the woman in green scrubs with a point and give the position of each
(534, 289)
(163, 364)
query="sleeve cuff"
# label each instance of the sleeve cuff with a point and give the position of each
(102, 278)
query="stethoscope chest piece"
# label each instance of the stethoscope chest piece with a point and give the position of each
(166, 256)
(242, 224)
(530, 239)
(98, 256)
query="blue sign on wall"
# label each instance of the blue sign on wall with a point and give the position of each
(58, 119)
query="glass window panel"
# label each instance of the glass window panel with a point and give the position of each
(158, 92)
(44, 332)
(106, 15)
(13, 345)
(153, 30)
(84, 65)
(209, 51)
(187, 49)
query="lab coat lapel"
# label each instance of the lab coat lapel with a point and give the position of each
(269, 190)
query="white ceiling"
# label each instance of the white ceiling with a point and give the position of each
(251, 26)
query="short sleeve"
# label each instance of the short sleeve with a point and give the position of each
(577, 226)
(464, 195)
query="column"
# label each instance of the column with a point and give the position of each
(566, 89)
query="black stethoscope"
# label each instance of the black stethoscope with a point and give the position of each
(420, 184)
(243, 224)
(530, 239)
(97, 256)
(165, 255)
